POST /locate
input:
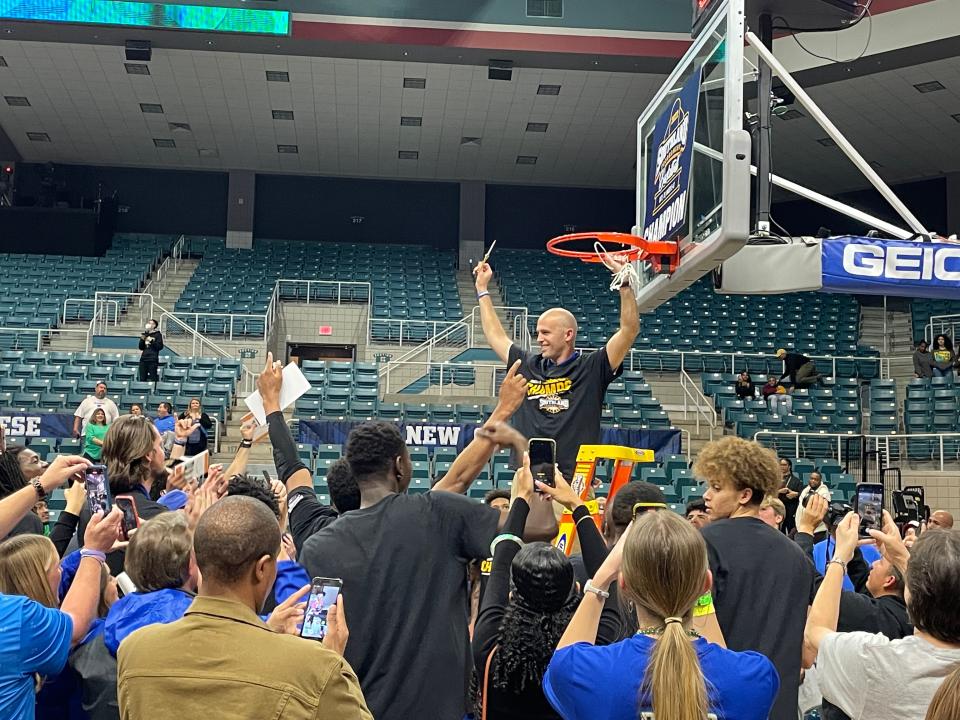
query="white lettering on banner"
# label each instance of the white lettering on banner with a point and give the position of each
(901, 263)
(432, 434)
(673, 216)
(21, 425)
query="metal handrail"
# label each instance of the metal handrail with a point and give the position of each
(446, 370)
(880, 439)
(632, 363)
(947, 326)
(701, 404)
(42, 332)
(78, 301)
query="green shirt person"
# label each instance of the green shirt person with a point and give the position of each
(94, 434)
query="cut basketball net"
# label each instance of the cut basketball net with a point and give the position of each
(658, 254)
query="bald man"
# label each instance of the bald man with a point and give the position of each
(941, 519)
(565, 387)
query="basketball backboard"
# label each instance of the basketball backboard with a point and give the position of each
(693, 159)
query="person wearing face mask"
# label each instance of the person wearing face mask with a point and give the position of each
(151, 343)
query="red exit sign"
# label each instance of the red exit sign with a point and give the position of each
(326, 329)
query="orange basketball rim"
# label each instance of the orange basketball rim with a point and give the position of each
(659, 254)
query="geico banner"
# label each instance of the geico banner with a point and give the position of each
(891, 267)
(26, 425)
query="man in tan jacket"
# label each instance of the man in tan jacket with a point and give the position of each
(220, 660)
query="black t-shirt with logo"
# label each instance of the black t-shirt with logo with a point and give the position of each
(564, 401)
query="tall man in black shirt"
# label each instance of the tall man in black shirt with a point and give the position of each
(565, 387)
(762, 583)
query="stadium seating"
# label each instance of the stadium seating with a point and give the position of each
(923, 309)
(56, 382)
(932, 405)
(409, 282)
(697, 319)
(33, 287)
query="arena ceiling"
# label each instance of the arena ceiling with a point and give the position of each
(208, 104)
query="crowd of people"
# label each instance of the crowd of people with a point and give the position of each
(96, 412)
(762, 602)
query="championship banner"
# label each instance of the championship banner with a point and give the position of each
(872, 266)
(335, 432)
(27, 425)
(668, 172)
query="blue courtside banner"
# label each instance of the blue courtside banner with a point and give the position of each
(335, 432)
(668, 168)
(18, 425)
(891, 267)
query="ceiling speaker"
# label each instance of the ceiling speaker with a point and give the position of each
(500, 70)
(138, 50)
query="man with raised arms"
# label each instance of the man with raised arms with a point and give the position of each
(565, 387)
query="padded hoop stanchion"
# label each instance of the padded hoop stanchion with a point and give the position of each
(657, 253)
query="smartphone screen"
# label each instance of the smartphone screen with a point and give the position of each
(323, 594)
(543, 459)
(131, 521)
(869, 506)
(98, 488)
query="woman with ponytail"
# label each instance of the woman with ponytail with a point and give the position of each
(667, 668)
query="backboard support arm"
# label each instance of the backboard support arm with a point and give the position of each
(767, 58)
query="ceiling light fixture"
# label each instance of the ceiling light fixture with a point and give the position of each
(537, 127)
(282, 114)
(415, 83)
(526, 159)
(16, 101)
(164, 143)
(151, 108)
(288, 149)
(278, 76)
(408, 155)
(548, 90)
(929, 87)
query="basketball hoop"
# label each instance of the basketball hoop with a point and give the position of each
(657, 253)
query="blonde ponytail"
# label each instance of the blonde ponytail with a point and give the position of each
(664, 570)
(674, 679)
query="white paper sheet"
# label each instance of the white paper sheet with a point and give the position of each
(294, 386)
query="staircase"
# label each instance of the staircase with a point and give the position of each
(667, 389)
(895, 342)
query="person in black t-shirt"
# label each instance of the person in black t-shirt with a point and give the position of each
(763, 583)
(565, 387)
(789, 494)
(403, 560)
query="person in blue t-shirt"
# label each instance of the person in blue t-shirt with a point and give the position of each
(666, 668)
(36, 636)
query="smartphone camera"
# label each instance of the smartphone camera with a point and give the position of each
(323, 594)
(543, 460)
(869, 506)
(98, 489)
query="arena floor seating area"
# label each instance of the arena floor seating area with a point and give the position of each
(408, 282)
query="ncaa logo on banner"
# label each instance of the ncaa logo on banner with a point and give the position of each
(668, 173)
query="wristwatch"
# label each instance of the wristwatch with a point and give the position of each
(41, 493)
(590, 587)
